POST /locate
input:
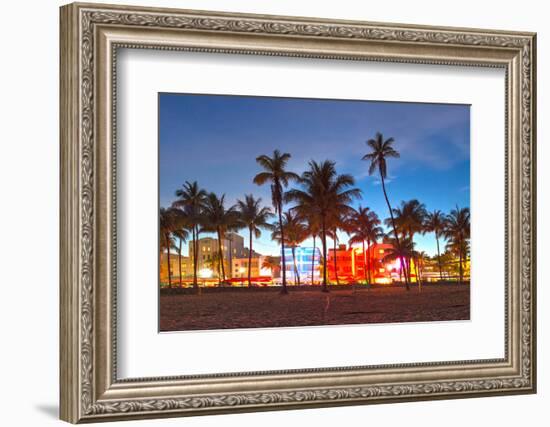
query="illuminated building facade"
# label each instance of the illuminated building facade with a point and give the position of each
(208, 251)
(299, 268)
(352, 264)
(305, 267)
(186, 267)
(239, 267)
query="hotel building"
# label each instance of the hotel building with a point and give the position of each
(352, 264)
(307, 266)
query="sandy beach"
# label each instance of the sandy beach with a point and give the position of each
(244, 308)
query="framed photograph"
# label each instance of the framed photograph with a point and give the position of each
(265, 212)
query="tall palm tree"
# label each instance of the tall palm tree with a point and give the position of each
(457, 231)
(435, 223)
(191, 198)
(219, 219)
(365, 227)
(380, 151)
(167, 225)
(276, 174)
(254, 218)
(295, 233)
(323, 193)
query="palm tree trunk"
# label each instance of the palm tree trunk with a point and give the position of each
(296, 273)
(197, 232)
(416, 271)
(335, 261)
(324, 242)
(460, 261)
(220, 250)
(168, 260)
(179, 263)
(394, 228)
(368, 262)
(365, 272)
(279, 209)
(438, 257)
(194, 243)
(412, 258)
(250, 258)
(420, 272)
(230, 259)
(313, 263)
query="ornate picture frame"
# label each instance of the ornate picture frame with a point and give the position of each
(90, 37)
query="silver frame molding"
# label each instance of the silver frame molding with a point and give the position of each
(90, 37)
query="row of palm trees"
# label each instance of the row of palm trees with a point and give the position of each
(412, 218)
(197, 211)
(320, 207)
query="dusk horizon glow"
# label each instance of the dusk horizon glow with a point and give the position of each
(215, 139)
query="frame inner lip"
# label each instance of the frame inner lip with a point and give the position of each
(331, 371)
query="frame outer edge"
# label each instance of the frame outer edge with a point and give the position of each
(533, 207)
(69, 220)
(77, 341)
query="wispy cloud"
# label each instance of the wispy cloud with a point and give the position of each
(387, 180)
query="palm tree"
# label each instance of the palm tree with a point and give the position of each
(381, 151)
(410, 219)
(271, 263)
(359, 236)
(435, 222)
(213, 262)
(402, 249)
(313, 231)
(254, 218)
(365, 226)
(457, 231)
(168, 224)
(275, 173)
(421, 256)
(340, 220)
(295, 233)
(323, 194)
(191, 198)
(373, 233)
(219, 219)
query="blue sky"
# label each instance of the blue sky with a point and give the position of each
(216, 139)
